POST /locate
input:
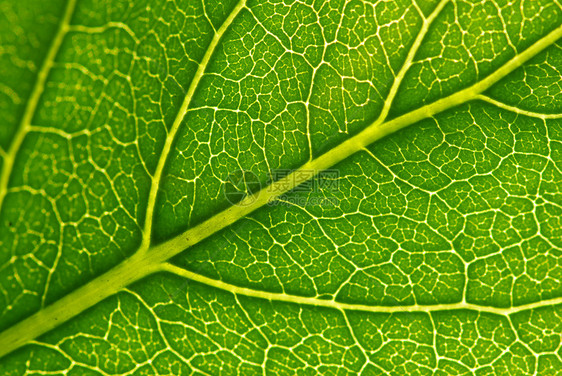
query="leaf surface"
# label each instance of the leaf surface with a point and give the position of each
(396, 170)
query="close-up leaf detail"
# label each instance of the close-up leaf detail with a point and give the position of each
(280, 187)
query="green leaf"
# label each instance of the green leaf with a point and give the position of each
(264, 187)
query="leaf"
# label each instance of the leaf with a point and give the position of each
(315, 187)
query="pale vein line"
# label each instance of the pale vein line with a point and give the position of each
(288, 298)
(408, 62)
(143, 264)
(104, 28)
(153, 195)
(33, 101)
(517, 110)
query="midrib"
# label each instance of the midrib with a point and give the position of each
(372, 133)
(151, 260)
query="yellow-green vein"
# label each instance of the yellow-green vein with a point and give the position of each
(31, 107)
(153, 194)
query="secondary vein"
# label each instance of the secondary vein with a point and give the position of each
(517, 110)
(409, 59)
(311, 301)
(153, 195)
(31, 107)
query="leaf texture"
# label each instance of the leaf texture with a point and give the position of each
(400, 192)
